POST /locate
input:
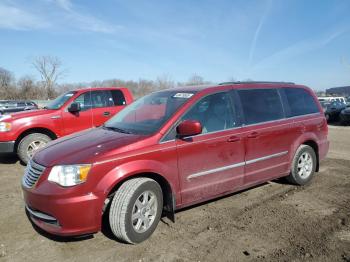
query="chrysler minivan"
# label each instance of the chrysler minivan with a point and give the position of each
(172, 149)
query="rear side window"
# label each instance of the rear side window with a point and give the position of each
(118, 98)
(261, 105)
(101, 98)
(300, 102)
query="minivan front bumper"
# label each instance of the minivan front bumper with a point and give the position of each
(7, 147)
(64, 215)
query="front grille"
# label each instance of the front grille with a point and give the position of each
(32, 174)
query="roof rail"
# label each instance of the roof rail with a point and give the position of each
(255, 82)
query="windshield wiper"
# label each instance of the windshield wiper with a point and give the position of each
(120, 130)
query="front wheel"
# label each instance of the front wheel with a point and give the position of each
(136, 209)
(30, 144)
(303, 166)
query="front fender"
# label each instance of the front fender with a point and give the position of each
(132, 168)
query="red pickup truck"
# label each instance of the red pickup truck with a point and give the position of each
(25, 132)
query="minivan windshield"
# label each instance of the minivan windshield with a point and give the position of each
(146, 115)
(60, 101)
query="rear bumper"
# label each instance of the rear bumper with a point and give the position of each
(7, 147)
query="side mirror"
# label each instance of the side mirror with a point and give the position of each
(74, 107)
(189, 128)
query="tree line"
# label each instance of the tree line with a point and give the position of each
(50, 70)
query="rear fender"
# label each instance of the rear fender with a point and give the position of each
(307, 136)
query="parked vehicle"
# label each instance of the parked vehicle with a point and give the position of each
(172, 149)
(25, 132)
(333, 109)
(345, 116)
(11, 106)
(348, 101)
(330, 99)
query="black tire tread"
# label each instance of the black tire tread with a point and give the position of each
(21, 150)
(292, 177)
(119, 207)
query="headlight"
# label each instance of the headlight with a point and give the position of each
(5, 127)
(69, 175)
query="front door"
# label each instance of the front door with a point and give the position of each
(74, 122)
(211, 163)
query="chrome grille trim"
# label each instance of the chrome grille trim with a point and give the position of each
(32, 174)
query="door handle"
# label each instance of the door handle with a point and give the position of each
(253, 135)
(106, 113)
(233, 139)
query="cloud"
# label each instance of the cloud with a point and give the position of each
(89, 23)
(257, 31)
(301, 47)
(85, 21)
(63, 15)
(64, 4)
(14, 18)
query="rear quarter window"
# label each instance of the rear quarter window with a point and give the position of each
(261, 105)
(300, 102)
(118, 98)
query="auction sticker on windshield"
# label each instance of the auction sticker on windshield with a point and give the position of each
(183, 95)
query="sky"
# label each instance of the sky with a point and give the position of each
(307, 42)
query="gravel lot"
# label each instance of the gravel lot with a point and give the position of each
(272, 222)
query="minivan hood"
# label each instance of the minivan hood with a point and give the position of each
(83, 147)
(31, 113)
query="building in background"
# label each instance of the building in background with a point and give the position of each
(339, 91)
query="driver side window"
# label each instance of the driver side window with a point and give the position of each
(84, 100)
(214, 112)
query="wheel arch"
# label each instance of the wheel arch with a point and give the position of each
(314, 146)
(33, 130)
(169, 199)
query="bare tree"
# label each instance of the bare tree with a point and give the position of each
(6, 78)
(50, 70)
(27, 88)
(7, 85)
(143, 87)
(164, 82)
(196, 80)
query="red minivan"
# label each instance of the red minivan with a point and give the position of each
(172, 149)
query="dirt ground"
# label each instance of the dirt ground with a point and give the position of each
(272, 222)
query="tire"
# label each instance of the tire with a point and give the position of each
(26, 148)
(303, 166)
(124, 204)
